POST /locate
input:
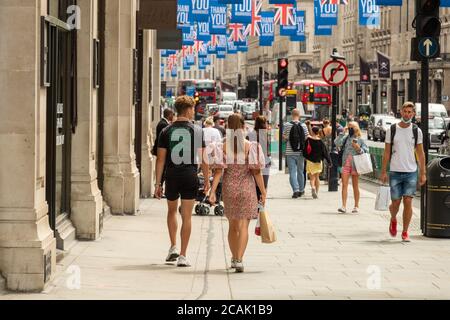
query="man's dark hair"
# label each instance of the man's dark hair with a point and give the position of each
(216, 118)
(168, 113)
(184, 103)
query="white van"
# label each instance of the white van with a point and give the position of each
(434, 110)
(229, 96)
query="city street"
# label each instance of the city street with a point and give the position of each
(319, 255)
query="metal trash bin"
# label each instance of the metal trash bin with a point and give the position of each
(438, 199)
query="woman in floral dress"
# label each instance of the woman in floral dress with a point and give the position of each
(241, 163)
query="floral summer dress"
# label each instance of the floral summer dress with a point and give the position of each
(238, 184)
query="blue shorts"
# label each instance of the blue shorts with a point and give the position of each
(403, 184)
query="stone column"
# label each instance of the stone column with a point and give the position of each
(156, 83)
(147, 166)
(121, 187)
(87, 201)
(27, 243)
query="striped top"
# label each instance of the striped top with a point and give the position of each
(287, 131)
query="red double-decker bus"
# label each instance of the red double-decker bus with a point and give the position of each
(205, 90)
(322, 97)
(270, 92)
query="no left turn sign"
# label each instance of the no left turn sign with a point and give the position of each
(335, 73)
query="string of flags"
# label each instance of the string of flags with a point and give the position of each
(221, 27)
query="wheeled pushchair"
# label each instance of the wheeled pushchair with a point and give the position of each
(203, 208)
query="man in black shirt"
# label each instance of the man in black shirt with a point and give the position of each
(180, 149)
(167, 119)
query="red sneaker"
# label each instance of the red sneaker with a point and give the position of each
(393, 228)
(405, 237)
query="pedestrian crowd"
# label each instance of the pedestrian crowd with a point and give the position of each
(234, 158)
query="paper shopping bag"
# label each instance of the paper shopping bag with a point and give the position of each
(383, 199)
(363, 163)
(268, 234)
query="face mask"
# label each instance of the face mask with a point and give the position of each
(351, 132)
(406, 121)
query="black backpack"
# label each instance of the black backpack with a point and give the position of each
(297, 137)
(394, 131)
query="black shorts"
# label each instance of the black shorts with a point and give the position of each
(185, 186)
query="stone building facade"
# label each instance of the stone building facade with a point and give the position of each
(80, 87)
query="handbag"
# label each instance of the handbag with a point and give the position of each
(363, 163)
(383, 199)
(268, 234)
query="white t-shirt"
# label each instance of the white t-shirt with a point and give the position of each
(211, 135)
(403, 152)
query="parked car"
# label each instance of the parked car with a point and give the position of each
(379, 131)
(436, 129)
(434, 110)
(374, 119)
(247, 110)
(225, 111)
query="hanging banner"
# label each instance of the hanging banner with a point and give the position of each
(174, 72)
(164, 53)
(369, 13)
(184, 15)
(445, 3)
(236, 33)
(221, 43)
(206, 61)
(243, 48)
(162, 70)
(200, 10)
(384, 66)
(364, 71)
(201, 65)
(203, 50)
(291, 28)
(190, 37)
(231, 47)
(299, 34)
(242, 12)
(390, 2)
(326, 13)
(320, 27)
(267, 28)
(253, 28)
(344, 2)
(221, 54)
(218, 17)
(203, 33)
(186, 66)
(212, 46)
(284, 14)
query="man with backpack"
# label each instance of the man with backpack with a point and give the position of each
(295, 136)
(404, 146)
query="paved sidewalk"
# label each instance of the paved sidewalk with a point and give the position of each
(320, 255)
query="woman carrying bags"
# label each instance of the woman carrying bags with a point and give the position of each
(315, 152)
(241, 163)
(351, 144)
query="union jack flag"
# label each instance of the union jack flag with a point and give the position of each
(285, 15)
(236, 32)
(253, 28)
(334, 1)
(214, 40)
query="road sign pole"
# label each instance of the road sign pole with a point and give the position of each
(281, 125)
(426, 140)
(333, 183)
(261, 98)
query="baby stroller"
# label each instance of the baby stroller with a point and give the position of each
(203, 208)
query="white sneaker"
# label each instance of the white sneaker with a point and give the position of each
(356, 210)
(239, 267)
(183, 262)
(342, 210)
(233, 264)
(173, 255)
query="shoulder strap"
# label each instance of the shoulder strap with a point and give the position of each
(393, 132)
(416, 134)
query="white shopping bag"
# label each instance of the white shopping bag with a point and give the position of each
(363, 163)
(383, 199)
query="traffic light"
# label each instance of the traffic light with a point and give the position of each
(428, 23)
(312, 92)
(428, 29)
(283, 75)
(197, 97)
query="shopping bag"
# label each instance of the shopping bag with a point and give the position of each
(268, 234)
(363, 163)
(383, 199)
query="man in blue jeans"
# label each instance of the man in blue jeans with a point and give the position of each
(295, 159)
(404, 147)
